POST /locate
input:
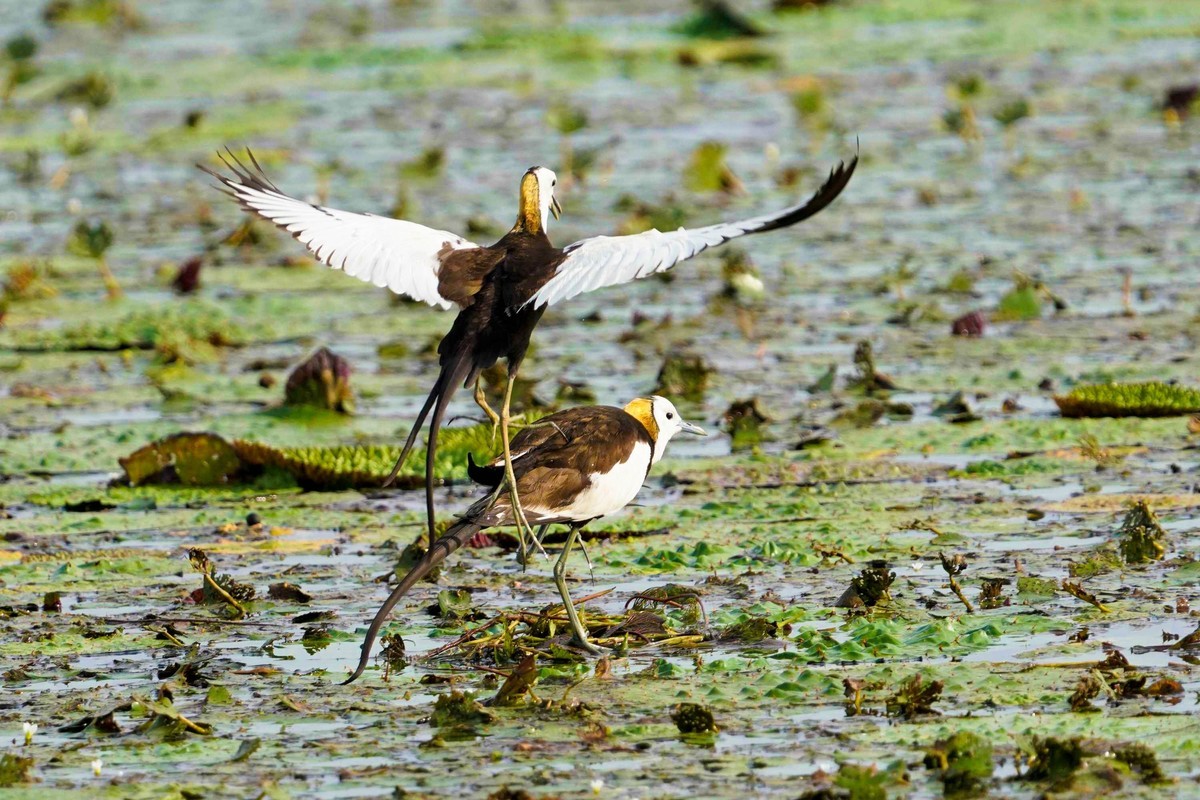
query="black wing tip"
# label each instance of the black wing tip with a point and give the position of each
(251, 177)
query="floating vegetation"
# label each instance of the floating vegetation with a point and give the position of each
(190, 459)
(91, 239)
(715, 19)
(707, 171)
(1153, 399)
(956, 409)
(27, 280)
(1143, 761)
(693, 718)
(1054, 760)
(914, 697)
(809, 101)
(177, 327)
(119, 14)
(739, 52)
(868, 588)
(321, 381)
(93, 89)
(429, 164)
(963, 762)
(566, 118)
(1012, 112)
(459, 709)
(367, 466)
(19, 51)
(744, 422)
(683, 377)
(742, 280)
(220, 588)
(1141, 537)
(1022, 303)
(869, 379)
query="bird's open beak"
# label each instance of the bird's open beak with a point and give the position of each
(555, 208)
(690, 428)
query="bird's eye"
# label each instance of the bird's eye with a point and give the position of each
(670, 415)
(554, 183)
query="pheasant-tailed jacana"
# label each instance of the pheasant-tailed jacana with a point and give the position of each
(573, 467)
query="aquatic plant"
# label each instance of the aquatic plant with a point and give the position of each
(715, 19)
(92, 239)
(744, 422)
(321, 381)
(683, 376)
(366, 466)
(1143, 761)
(1054, 759)
(191, 459)
(963, 762)
(1151, 399)
(693, 718)
(707, 171)
(19, 51)
(93, 89)
(1142, 538)
(914, 697)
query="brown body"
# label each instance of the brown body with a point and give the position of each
(493, 285)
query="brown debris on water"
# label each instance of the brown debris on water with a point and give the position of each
(187, 279)
(971, 324)
(322, 381)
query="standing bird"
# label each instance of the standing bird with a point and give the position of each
(572, 467)
(502, 290)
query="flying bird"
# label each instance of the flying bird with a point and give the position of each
(571, 467)
(501, 290)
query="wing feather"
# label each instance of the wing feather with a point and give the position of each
(608, 260)
(402, 256)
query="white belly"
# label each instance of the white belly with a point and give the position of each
(607, 492)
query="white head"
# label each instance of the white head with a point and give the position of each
(537, 200)
(661, 420)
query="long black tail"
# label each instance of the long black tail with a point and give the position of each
(452, 375)
(456, 537)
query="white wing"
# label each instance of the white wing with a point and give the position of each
(403, 256)
(607, 260)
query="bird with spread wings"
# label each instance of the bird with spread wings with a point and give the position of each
(501, 290)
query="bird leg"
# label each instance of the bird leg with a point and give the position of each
(560, 581)
(481, 401)
(523, 526)
(541, 539)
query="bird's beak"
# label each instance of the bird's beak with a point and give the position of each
(690, 428)
(555, 208)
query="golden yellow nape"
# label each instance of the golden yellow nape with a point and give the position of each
(642, 409)
(529, 214)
